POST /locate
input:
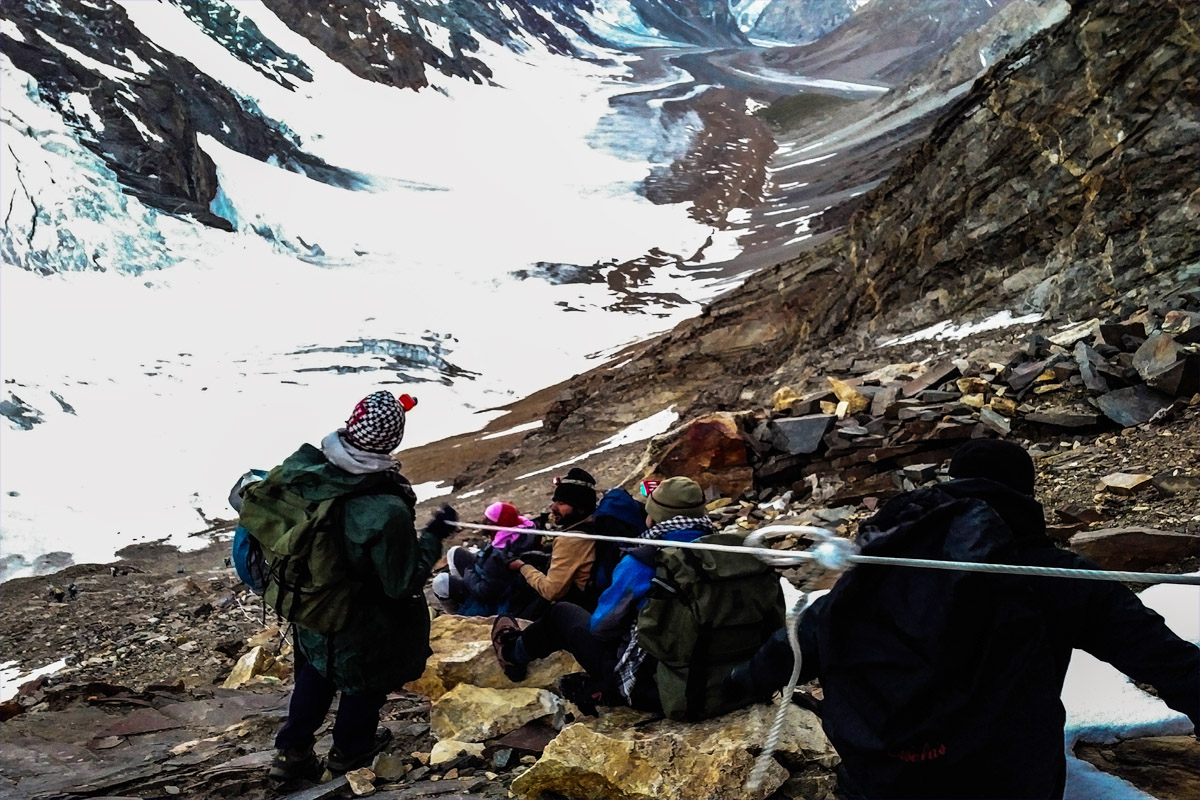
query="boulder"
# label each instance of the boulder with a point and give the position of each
(256, 661)
(1181, 379)
(362, 781)
(1125, 483)
(1183, 325)
(1134, 548)
(1064, 418)
(462, 653)
(803, 435)
(936, 375)
(1157, 354)
(710, 449)
(784, 398)
(1114, 334)
(856, 402)
(1082, 330)
(994, 421)
(474, 714)
(1134, 405)
(450, 749)
(608, 757)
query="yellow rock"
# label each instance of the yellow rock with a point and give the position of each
(1004, 405)
(856, 401)
(448, 749)
(972, 385)
(474, 714)
(973, 400)
(610, 758)
(462, 654)
(362, 781)
(255, 662)
(784, 398)
(828, 407)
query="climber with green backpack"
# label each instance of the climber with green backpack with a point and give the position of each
(346, 567)
(670, 626)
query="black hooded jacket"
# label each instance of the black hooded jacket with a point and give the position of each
(946, 684)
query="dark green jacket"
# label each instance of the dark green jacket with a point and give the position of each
(386, 643)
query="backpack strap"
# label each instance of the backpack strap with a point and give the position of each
(696, 688)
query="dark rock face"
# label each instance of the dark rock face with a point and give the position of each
(165, 166)
(801, 20)
(241, 37)
(703, 22)
(371, 47)
(1016, 202)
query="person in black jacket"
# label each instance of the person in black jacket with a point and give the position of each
(942, 684)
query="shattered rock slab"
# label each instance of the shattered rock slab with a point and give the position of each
(613, 757)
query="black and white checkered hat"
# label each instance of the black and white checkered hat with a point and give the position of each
(377, 423)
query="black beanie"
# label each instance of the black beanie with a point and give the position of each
(997, 460)
(578, 490)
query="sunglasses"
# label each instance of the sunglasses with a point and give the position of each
(649, 486)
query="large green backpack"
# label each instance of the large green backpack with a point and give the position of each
(309, 582)
(706, 612)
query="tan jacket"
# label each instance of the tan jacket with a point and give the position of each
(570, 563)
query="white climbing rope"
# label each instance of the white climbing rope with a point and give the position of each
(771, 744)
(832, 555)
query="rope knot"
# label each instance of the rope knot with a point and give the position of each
(835, 554)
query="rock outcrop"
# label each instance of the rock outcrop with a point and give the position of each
(618, 755)
(462, 654)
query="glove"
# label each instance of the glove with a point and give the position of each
(442, 524)
(739, 687)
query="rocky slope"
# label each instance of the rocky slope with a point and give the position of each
(1008, 205)
(887, 39)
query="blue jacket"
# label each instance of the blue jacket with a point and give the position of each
(620, 602)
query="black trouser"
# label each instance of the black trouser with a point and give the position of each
(353, 728)
(567, 626)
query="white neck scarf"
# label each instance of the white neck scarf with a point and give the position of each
(355, 461)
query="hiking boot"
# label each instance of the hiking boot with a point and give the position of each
(289, 764)
(505, 632)
(339, 762)
(583, 690)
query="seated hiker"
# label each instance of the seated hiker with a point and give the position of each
(606, 642)
(617, 514)
(478, 584)
(566, 577)
(361, 642)
(947, 684)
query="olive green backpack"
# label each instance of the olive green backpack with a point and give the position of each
(309, 582)
(706, 612)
